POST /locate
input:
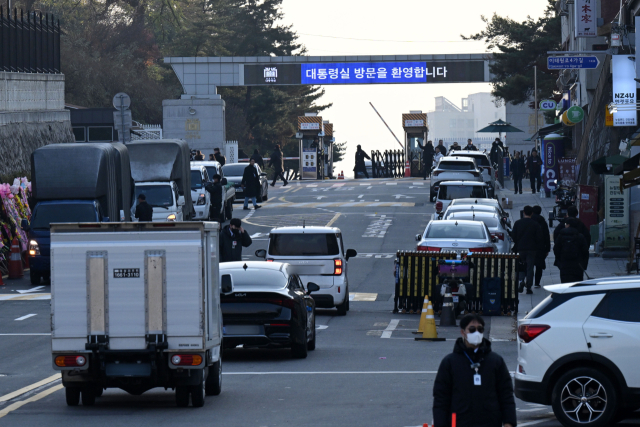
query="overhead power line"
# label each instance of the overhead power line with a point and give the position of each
(390, 41)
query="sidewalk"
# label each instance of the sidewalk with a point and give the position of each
(598, 267)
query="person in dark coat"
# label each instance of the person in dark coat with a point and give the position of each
(454, 147)
(215, 195)
(427, 158)
(546, 244)
(277, 161)
(232, 239)
(528, 241)
(470, 146)
(144, 211)
(219, 157)
(251, 185)
(473, 382)
(572, 212)
(258, 158)
(571, 251)
(517, 168)
(199, 155)
(534, 166)
(212, 158)
(360, 166)
(441, 147)
(496, 153)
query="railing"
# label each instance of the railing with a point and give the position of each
(389, 164)
(146, 132)
(417, 277)
(29, 44)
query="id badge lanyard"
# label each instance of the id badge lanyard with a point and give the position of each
(476, 378)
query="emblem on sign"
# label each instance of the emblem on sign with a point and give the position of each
(270, 74)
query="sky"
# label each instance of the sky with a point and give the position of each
(399, 27)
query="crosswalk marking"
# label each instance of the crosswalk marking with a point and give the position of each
(32, 297)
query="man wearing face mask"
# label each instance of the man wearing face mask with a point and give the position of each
(232, 238)
(473, 370)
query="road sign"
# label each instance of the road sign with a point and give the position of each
(547, 105)
(121, 101)
(575, 114)
(571, 62)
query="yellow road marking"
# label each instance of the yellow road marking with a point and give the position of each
(297, 189)
(35, 398)
(20, 297)
(29, 388)
(362, 296)
(334, 219)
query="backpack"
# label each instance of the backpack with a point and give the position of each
(569, 249)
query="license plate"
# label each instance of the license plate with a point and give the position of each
(243, 330)
(455, 299)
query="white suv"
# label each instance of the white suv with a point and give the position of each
(316, 255)
(454, 168)
(578, 351)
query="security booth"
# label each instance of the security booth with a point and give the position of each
(415, 133)
(311, 135)
(326, 154)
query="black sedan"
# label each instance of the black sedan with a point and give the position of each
(268, 307)
(233, 172)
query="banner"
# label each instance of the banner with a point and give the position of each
(624, 90)
(616, 226)
(552, 151)
(567, 171)
(585, 18)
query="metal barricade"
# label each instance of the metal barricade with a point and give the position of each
(417, 277)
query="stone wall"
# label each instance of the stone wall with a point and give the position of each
(32, 114)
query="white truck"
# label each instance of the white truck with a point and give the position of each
(136, 306)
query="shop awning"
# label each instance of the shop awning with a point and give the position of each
(607, 164)
(628, 165)
(635, 138)
(555, 128)
(630, 179)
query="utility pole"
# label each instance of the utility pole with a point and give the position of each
(535, 101)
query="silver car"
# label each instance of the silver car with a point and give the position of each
(454, 168)
(464, 208)
(459, 236)
(493, 221)
(483, 202)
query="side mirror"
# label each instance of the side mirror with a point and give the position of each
(351, 253)
(263, 174)
(24, 224)
(418, 237)
(226, 284)
(261, 253)
(180, 200)
(312, 287)
(223, 181)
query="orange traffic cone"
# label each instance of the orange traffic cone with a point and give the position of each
(15, 262)
(407, 170)
(429, 333)
(423, 316)
(341, 176)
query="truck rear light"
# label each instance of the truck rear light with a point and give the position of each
(186, 359)
(70, 361)
(481, 250)
(439, 207)
(337, 267)
(429, 248)
(34, 248)
(498, 235)
(528, 333)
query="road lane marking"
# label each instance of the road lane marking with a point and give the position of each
(392, 326)
(362, 296)
(369, 188)
(334, 219)
(530, 423)
(28, 388)
(23, 335)
(378, 227)
(32, 290)
(297, 189)
(333, 373)
(361, 196)
(25, 317)
(29, 297)
(321, 327)
(35, 398)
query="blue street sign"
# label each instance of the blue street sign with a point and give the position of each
(570, 62)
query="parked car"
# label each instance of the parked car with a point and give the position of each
(229, 191)
(578, 351)
(484, 164)
(454, 168)
(459, 236)
(269, 307)
(483, 202)
(451, 190)
(467, 207)
(317, 255)
(201, 198)
(233, 172)
(493, 221)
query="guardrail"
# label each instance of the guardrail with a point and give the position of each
(417, 277)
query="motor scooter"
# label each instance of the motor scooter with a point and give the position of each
(453, 274)
(565, 198)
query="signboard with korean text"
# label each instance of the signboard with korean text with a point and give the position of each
(624, 90)
(567, 171)
(585, 18)
(309, 126)
(616, 226)
(414, 123)
(572, 62)
(552, 151)
(309, 163)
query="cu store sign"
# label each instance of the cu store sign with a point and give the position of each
(553, 148)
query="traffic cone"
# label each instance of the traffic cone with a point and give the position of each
(407, 170)
(448, 316)
(341, 176)
(426, 306)
(429, 332)
(15, 262)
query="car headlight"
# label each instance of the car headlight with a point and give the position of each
(202, 200)
(171, 217)
(34, 249)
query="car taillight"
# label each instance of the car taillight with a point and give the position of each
(337, 267)
(528, 333)
(481, 250)
(286, 302)
(435, 173)
(429, 248)
(439, 207)
(498, 235)
(476, 174)
(186, 359)
(70, 361)
(269, 260)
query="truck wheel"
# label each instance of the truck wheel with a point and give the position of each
(198, 391)
(213, 386)
(344, 307)
(34, 277)
(89, 396)
(299, 351)
(72, 395)
(182, 396)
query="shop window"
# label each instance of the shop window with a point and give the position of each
(100, 133)
(80, 134)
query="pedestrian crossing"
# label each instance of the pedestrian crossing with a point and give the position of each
(21, 297)
(337, 205)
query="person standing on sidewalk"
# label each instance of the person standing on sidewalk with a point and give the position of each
(546, 244)
(277, 161)
(251, 185)
(473, 382)
(534, 165)
(215, 196)
(517, 168)
(572, 251)
(527, 238)
(427, 158)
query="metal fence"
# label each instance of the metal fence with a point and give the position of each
(389, 164)
(417, 277)
(29, 43)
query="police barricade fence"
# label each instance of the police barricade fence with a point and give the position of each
(416, 276)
